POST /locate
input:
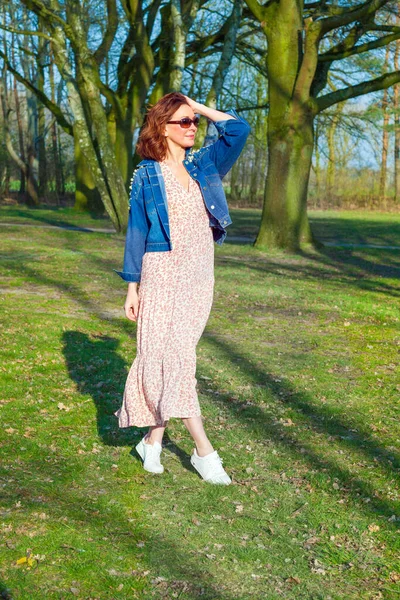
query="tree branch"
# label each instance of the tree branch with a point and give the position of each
(352, 91)
(24, 32)
(349, 15)
(153, 12)
(109, 35)
(41, 9)
(330, 55)
(259, 11)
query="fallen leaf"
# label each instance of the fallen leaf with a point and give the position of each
(26, 560)
(292, 580)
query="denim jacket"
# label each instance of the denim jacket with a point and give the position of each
(148, 224)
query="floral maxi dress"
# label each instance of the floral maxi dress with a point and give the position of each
(175, 299)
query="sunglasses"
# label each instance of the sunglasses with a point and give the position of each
(185, 123)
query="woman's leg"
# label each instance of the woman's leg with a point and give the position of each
(195, 427)
(155, 434)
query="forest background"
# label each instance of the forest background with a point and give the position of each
(318, 83)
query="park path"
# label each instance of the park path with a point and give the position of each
(230, 238)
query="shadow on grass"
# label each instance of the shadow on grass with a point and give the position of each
(72, 291)
(5, 593)
(338, 266)
(58, 220)
(98, 370)
(74, 501)
(96, 367)
(343, 228)
(321, 420)
(112, 372)
(91, 361)
(380, 231)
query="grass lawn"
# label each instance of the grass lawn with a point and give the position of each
(299, 387)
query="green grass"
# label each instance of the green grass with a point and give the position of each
(60, 217)
(298, 383)
(355, 227)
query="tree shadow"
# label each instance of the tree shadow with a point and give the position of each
(5, 592)
(34, 214)
(96, 367)
(321, 419)
(384, 232)
(98, 370)
(74, 292)
(77, 505)
(339, 266)
(327, 229)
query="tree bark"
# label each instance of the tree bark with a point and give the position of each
(396, 108)
(385, 138)
(87, 198)
(58, 168)
(41, 116)
(284, 217)
(290, 140)
(20, 130)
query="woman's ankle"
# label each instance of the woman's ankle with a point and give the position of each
(149, 440)
(204, 450)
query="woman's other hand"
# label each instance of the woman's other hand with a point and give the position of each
(132, 302)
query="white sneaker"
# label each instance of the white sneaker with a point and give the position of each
(150, 454)
(210, 467)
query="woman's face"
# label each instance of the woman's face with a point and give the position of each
(177, 134)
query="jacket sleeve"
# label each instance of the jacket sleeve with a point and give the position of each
(136, 234)
(226, 150)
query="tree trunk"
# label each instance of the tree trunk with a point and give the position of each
(284, 218)
(87, 197)
(54, 136)
(161, 86)
(284, 222)
(385, 138)
(235, 181)
(179, 47)
(257, 176)
(396, 109)
(330, 171)
(105, 173)
(319, 197)
(20, 128)
(43, 170)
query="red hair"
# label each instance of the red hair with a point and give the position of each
(152, 142)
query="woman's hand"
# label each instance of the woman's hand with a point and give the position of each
(132, 301)
(210, 113)
(192, 103)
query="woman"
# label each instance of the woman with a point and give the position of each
(177, 211)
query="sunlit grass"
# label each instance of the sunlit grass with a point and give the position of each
(298, 383)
